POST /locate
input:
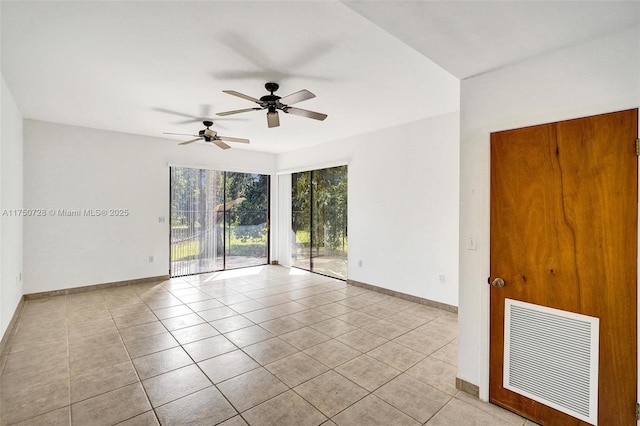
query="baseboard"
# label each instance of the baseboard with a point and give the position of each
(7, 337)
(83, 289)
(400, 295)
(466, 387)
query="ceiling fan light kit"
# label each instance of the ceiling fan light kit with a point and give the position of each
(272, 103)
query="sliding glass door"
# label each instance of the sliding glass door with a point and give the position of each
(301, 220)
(319, 221)
(247, 221)
(219, 220)
(196, 234)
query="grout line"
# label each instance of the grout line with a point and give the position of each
(452, 397)
(133, 365)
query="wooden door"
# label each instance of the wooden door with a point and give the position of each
(564, 235)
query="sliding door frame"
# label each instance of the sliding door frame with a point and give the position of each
(225, 216)
(314, 224)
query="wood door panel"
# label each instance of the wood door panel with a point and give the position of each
(531, 215)
(606, 233)
(564, 235)
(527, 218)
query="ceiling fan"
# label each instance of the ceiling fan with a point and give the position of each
(272, 103)
(209, 135)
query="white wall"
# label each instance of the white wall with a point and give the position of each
(402, 204)
(68, 167)
(591, 78)
(11, 228)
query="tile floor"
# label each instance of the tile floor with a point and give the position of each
(258, 346)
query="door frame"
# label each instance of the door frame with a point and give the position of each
(568, 201)
(483, 244)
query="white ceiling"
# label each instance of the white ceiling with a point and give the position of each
(152, 67)
(472, 37)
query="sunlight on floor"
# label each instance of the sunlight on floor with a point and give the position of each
(234, 273)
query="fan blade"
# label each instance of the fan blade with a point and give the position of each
(221, 144)
(305, 113)
(296, 97)
(273, 120)
(228, 139)
(242, 95)
(238, 111)
(191, 141)
(181, 134)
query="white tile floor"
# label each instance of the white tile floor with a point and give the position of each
(258, 346)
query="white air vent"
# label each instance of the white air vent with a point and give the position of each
(551, 356)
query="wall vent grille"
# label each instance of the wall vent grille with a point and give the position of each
(551, 356)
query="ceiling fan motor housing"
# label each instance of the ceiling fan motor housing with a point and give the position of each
(271, 101)
(271, 87)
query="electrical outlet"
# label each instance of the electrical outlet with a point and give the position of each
(441, 279)
(359, 263)
(150, 259)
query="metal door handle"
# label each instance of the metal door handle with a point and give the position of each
(498, 282)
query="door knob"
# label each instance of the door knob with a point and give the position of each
(498, 282)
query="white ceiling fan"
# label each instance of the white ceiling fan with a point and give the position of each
(209, 135)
